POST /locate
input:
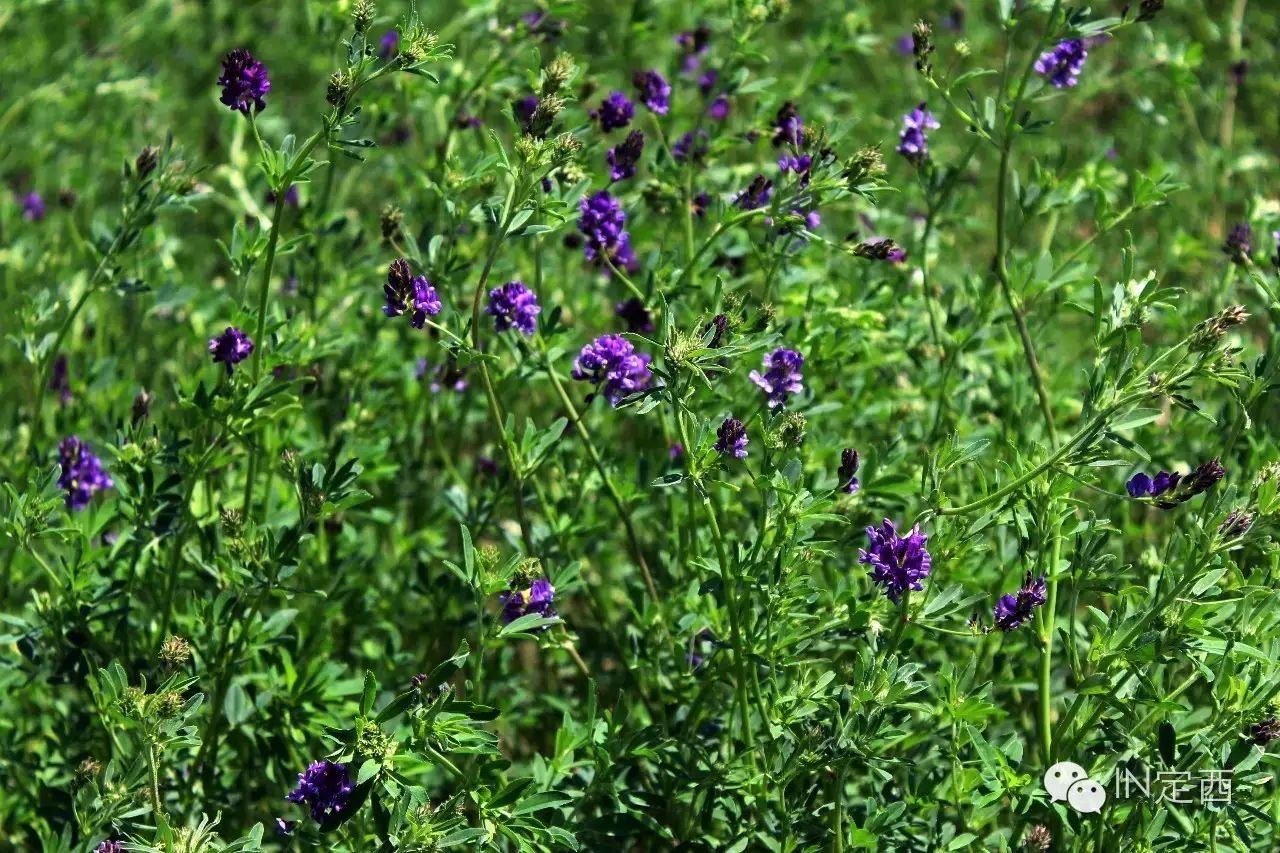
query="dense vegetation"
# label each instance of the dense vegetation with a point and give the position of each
(728, 426)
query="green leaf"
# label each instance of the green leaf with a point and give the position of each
(236, 706)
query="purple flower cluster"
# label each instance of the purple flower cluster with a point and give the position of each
(1017, 608)
(757, 193)
(33, 209)
(731, 438)
(702, 201)
(325, 788)
(690, 146)
(848, 471)
(601, 222)
(403, 290)
(615, 112)
(388, 45)
(514, 305)
(538, 598)
(898, 563)
(82, 473)
(1168, 489)
(635, 315)
(1264, 731)
(625, 156)
(1062, 65)
(59, 380)
(1142, 486)
(719, 108)
(1239, 244)
(244, 82)
(109, 847)
(694, 44)
(801, 164)
(543, 26)
(523, 109)
(653, 91)
(788, 127)
(611, 361)
(781, 377)
(230, 348)
(914, 144)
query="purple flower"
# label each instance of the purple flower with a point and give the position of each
(788, 127)
(653, 91)
(694, 43)
(59, 380)
(881, 249)
(611, 360)
(624, 157)
(1265, 731)
(719, 108)
(1063, 64)
(898, 563)
(781, 377)
(676, 450)
(1015, 609)
(690, 146)
(290, 196)
(326, 788)
(707, 81)
(109, 847)
(1142, 486)
(848, 470)
(731, 438)
(1239, 244)
(913, 144)
(718, 327)
(523, 109)
(513, 304)
(700, 203)
(388, 45)
(756, 195)
(537, 598)
(425, 302)
(403, 289)
(1168, 488)
(802, 165)
(601, 222)
(231, 347)
(33, 208)
(624, 257)
(1237, 523)
(635, 315)
(615, 112)
(905, 45)
(82, 473)
(244, 81)
(540, 24)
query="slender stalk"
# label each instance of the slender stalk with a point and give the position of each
(615, 497)
(264, 292)
(495, 408)
(1049, 613)
(728, 573)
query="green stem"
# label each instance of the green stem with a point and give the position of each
(615, 497)
(495, 408)
(1049, 614)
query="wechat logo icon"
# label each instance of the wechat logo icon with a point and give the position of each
(1068, 781)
